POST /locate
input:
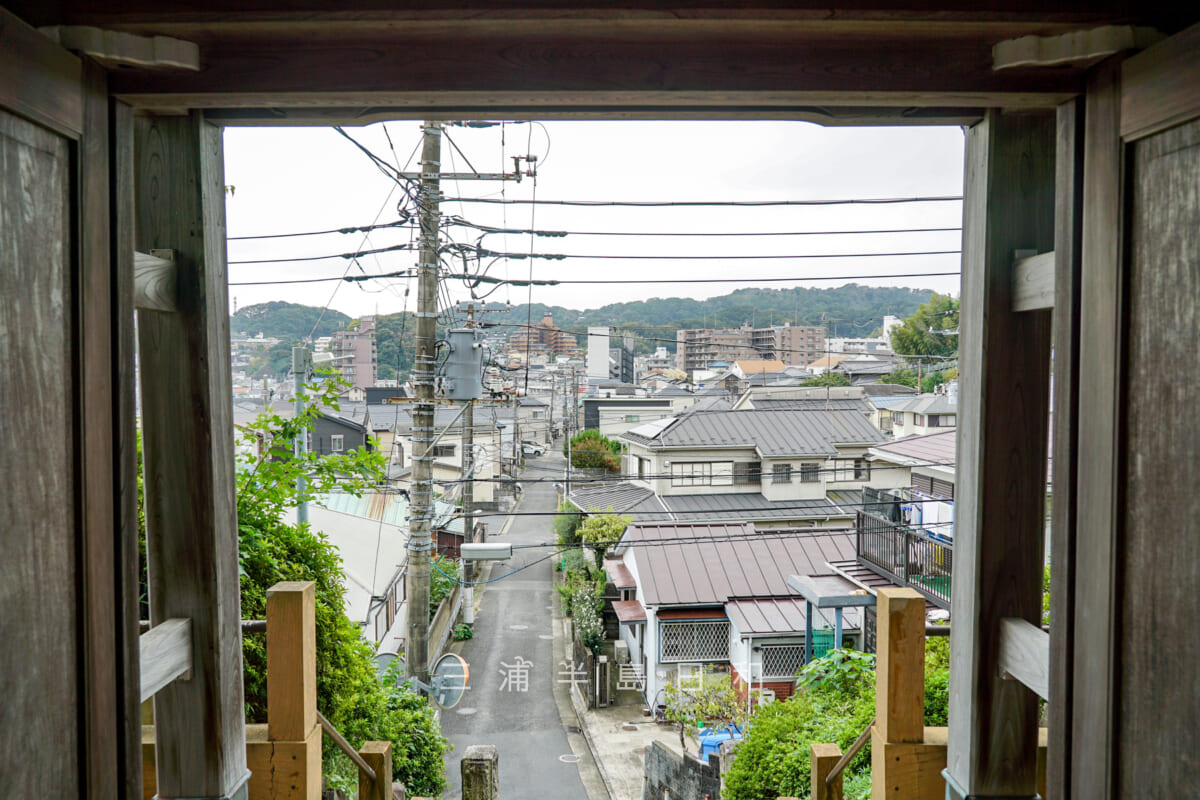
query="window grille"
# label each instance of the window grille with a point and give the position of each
(443, 450)
(782, 661)
(810, 472)
(781, 473)
(694, 641)
(747, 473)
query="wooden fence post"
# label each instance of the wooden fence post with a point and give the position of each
(824, 758)
(906, 762)
(285, 754)
(378, 756)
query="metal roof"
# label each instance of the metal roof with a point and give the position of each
(931, 448)
(928, 404)
(622, 498)
(809, 403)
(619, 574)
(750, 506)
(764, 616)
(629, 611)
(811, 432)
(707, 564)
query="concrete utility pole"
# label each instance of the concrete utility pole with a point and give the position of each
(420, 540)
(300, 363)
(468, 487)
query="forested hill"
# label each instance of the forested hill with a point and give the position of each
(289, 321)
(852, 310)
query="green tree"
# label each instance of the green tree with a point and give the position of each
(918, 335)
(349, 691)
(712, 699)
(566, 523)
(602, 531)
(589, 449)
(828, 379)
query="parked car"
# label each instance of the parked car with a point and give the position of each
(532, 449)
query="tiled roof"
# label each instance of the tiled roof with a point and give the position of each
(709, 564)
(774, 433)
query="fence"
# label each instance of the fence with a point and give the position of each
(911, 558)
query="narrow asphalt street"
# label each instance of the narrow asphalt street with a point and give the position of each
(515, 697)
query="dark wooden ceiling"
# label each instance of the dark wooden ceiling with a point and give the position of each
(322, 62)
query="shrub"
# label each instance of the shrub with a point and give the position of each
(444, 575)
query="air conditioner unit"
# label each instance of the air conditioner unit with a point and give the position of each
(621, 652)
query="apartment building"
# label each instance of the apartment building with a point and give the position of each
(697, 348)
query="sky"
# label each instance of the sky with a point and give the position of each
(289, 180)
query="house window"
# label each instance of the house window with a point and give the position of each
(336, 443)
(810, 472)
(443, 450)
(691, 473)
(781, 473)
(747, 473)
(632, 418)
(537, 415)
(847, 469)
(641, 468)
(693, 641)
(782, 661)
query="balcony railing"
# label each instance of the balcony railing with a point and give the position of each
(905, 556)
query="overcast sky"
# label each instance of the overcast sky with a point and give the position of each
(290, 180)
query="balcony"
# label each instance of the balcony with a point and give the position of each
(905, 556)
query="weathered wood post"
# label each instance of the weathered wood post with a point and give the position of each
(378, 756)
(824, 758)
(292, 726)
(481, 773)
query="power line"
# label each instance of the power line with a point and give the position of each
(554, 282)
(718, 203)
(484, 253)
(487, 229)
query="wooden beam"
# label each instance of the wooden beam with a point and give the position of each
(1033, 282)
(38, 79)
(1098, 477)
(1068, 231)
(191, 524)
(1004, 412)
(166, 655)
(1025, 654)
(154, 281)
(1161, 86)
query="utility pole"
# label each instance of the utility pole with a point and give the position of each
(300, 363)
(468, 485)
(420, 540)
(420, 508)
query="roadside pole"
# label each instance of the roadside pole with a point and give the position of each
(420, 541)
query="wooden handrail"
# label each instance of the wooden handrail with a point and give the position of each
(858, 745)
(345, 747)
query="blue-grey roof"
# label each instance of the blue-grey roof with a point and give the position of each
(621, 498)
(928, 404)
(672, 391)
(808, 403)
(755, 507)
(773, 433)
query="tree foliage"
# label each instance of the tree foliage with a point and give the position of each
(916, 336)
(828, 379)
(711, 700)
(590, 449)
(566, 523)
(602, 531)
(349, 692)
(291, 321)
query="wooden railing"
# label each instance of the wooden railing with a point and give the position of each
(909, 557)
(284, 755)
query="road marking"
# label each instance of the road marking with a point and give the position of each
(569, 758)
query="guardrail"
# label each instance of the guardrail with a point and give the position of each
(907, 556)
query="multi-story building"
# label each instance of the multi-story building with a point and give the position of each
(354, 353)
(698, 348)
(544, 339)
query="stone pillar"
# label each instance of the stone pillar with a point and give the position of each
(481, 773)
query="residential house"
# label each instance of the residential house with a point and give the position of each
(699, 599)
(534, 414)
(883, 397)
(339, 431)
(775, 468)
(925, 413)
(865, 369)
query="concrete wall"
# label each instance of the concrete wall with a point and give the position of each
(684, 775)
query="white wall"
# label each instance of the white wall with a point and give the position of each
(597, 352)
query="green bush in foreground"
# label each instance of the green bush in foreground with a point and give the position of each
(834, 702)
